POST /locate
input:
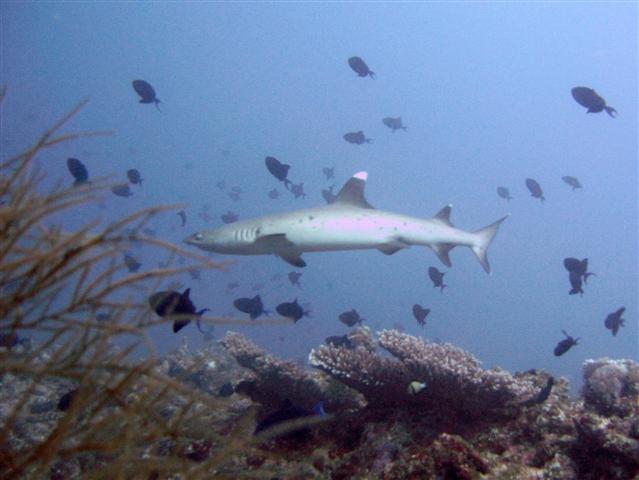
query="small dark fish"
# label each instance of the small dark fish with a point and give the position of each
(131, 263)
(328, 194)
(78, 171)
(614, 321)
(394, 123)
(66, 400)
(252, 306)
(329, 173)
(274, 194)
(134, 176)
(229, 217)
(294, 278)
(543, 394)
(564, 345)
(503, 192)
(292, 310)
(226, 390)
(122, 190)
(572, 181)
(578, 266)
(278, 170)
(298, 190)
(587, 97)
(169, 302)
(420, 313)
(340, 341)
(357, 138)
(146, 92)
(437, 277)
(350, 318)
(221, 184)
(360, 68)
(182, 215)
(575, 283)
(286, 412)
(535, 189)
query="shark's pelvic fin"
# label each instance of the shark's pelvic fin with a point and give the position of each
(352, 193)
(441, 250)
(392, 247)
(444, 215)
(293, 258)
(484, 237)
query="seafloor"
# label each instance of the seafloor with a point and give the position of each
(460, 422)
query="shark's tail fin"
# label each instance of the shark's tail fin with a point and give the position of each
(482, 242)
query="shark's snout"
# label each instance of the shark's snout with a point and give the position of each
(195, 239)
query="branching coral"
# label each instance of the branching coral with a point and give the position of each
(453, 378)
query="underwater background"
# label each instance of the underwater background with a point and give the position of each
(485, 91)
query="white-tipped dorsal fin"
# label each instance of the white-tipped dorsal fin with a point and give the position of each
(444, 215)
(352, 193)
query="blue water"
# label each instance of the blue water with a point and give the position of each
(484, 90)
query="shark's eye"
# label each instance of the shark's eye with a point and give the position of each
(199, 236)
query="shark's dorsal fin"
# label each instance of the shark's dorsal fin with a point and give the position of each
(444, 215)
(352, 193)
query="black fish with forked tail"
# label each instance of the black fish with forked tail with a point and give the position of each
(278, 169)
(146, 93)
(78, 171)
(587, 97)
(360, 68)
(169, 302)
(564, 345)
(253, 306)
(437, 277)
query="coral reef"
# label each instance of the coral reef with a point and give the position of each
(452, 377)
(611, 387)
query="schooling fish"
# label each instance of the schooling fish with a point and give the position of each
(357, 138)
(329, 173)
(503, 192)
(278, 169)
(394, 123)
(134, 176)
(229, 217)
(298, 190)
(328, 195)
(78, 171)
(294, 278)
(575, 283)
(171, 303)
(131, 263)
(535, 189)
(420, 313)
(587, 97)
(360, 68)
(572, 181)
(564, 345)
(253, 306)
(579, 267)
(146, 92)
(350, 318)
(614, 321)
(292, 310)
(340, 341)
(122, 190)
(437, 277)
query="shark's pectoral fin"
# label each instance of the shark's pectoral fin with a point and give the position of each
(292, 258)
(274, 242)
(441, 250)
(392, 247)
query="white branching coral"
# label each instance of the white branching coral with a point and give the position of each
(453, 377)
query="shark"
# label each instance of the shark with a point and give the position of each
(348, 223)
